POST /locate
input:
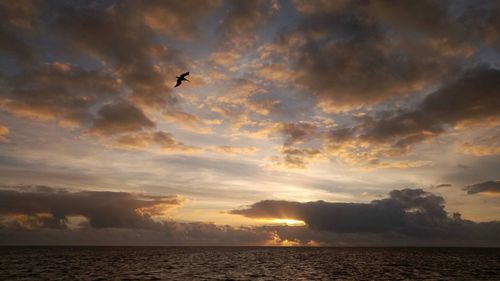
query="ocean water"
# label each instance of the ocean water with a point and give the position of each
(247, 263)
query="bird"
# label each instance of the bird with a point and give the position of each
(181, 78)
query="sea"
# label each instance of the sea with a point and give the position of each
(247, 263)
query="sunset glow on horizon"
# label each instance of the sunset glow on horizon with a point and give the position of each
(302, 123)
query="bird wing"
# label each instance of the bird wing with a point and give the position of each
(178, 83)
(184, 75)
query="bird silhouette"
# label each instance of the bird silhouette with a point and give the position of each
(181, 78)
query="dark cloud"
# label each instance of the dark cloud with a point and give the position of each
(58, 91)
(171, 233)
(17, 19)
(46, 215)
(297, 132)
(351, 55)
(118, 35)
(238, 31)
(244, 16)
(120, 117)
(297, 158)
(469, 99)
(484, 187)
(42, 215)
(408, 212)
(48, 207)
(356, 53)
(472, 97)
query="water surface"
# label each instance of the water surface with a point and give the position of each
(247, 263)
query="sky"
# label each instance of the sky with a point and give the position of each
(304, 123)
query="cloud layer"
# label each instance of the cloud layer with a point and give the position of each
(40, 214)
(407, 212)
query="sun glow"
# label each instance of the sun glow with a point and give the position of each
(290, 222)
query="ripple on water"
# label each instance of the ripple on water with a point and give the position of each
(247, 263)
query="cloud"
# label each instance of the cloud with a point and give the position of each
(463, 102)
(263, 106)
(22, 14)
(4, 132)
(487, 144)
(277, 73)
(354, 54)
(188, 121)
(479, 150)
(45, 215)
(178, 19)
(226, 149)
(17, 20)
(295, 158)
(118, 118)
(58, 91)
(378, 216)
(492, 187)
(348, 56)
(125, 36)
(47, 207)
(297, 132)
(172, 233)
(238, 102)
(413, 213)
(145, 140)
(242, 21)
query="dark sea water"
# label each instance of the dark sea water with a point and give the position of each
(247, 263)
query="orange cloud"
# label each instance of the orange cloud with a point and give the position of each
(4, 131)
(159, 139)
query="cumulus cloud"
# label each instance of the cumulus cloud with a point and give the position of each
(120, 118)
(377, 216)
(461, 103)
(242, 22)
(238, 102)
(492, 187)
(46, 215)
(58, 91)
(43, 215)
(51, 208)
(353, 54)
(297, 132)
(408, 212)
(295, 157)
(348, 55)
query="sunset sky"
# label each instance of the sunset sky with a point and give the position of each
(294, 109)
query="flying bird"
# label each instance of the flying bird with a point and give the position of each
(181, 78)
